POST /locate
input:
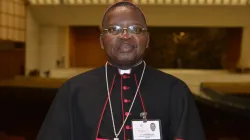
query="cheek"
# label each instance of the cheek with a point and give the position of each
(108, 42)
(142, 42)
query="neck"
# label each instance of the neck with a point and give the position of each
(125, 67)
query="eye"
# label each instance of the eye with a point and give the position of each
(136, 29)
(114, 30)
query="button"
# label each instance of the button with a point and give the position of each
(128, 127)
(125, 76)
(125, 88)
(127, 101)
(127, 113)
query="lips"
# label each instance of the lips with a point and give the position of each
(125, 48)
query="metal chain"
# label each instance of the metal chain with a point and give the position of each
(112, 116)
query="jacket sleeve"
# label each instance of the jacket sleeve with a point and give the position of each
(56, 125)
(185, 123)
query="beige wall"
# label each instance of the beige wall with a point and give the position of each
(54, 21)
(44, 45)
(53, 43)
(32, 43)
(245, 49)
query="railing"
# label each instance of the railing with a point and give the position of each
(227, 101)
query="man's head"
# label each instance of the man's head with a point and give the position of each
(124, 36)
(152, 126)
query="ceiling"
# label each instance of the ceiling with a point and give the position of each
(142, 2)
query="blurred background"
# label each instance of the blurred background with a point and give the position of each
(206, 43)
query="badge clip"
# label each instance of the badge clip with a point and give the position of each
(144, 116)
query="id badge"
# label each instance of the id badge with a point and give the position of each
(149, 130)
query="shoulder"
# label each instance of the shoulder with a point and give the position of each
(86, 78)
(163, 77)
(164, 80)
(89, 74)
(78, 83)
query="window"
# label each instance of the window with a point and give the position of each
(12, 20)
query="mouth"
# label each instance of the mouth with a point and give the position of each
(126, 48)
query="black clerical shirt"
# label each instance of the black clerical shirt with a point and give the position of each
(81, 111)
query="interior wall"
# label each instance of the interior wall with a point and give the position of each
(233, 49)
(245, 48)
(32, 60)
(11, 63)
(63, 46)
(85, 47)
(53, 46)
(196, 48)
(48, 48)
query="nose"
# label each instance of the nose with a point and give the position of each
(125, 34)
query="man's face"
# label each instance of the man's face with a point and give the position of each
(124, 48)
(152, 126)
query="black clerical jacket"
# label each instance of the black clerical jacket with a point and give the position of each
(80, 110)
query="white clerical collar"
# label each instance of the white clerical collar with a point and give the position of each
(128, 71)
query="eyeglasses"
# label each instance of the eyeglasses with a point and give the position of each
(133, 29)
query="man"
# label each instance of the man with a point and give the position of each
(112, 102)
(152, 126)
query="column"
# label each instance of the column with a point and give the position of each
(244, 61)
(32, 48)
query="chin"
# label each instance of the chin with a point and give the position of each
(127, 62)
(126, 59)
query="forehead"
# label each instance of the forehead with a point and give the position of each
(124, 15)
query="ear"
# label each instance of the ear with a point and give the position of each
(101, 41)
(148, 35)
